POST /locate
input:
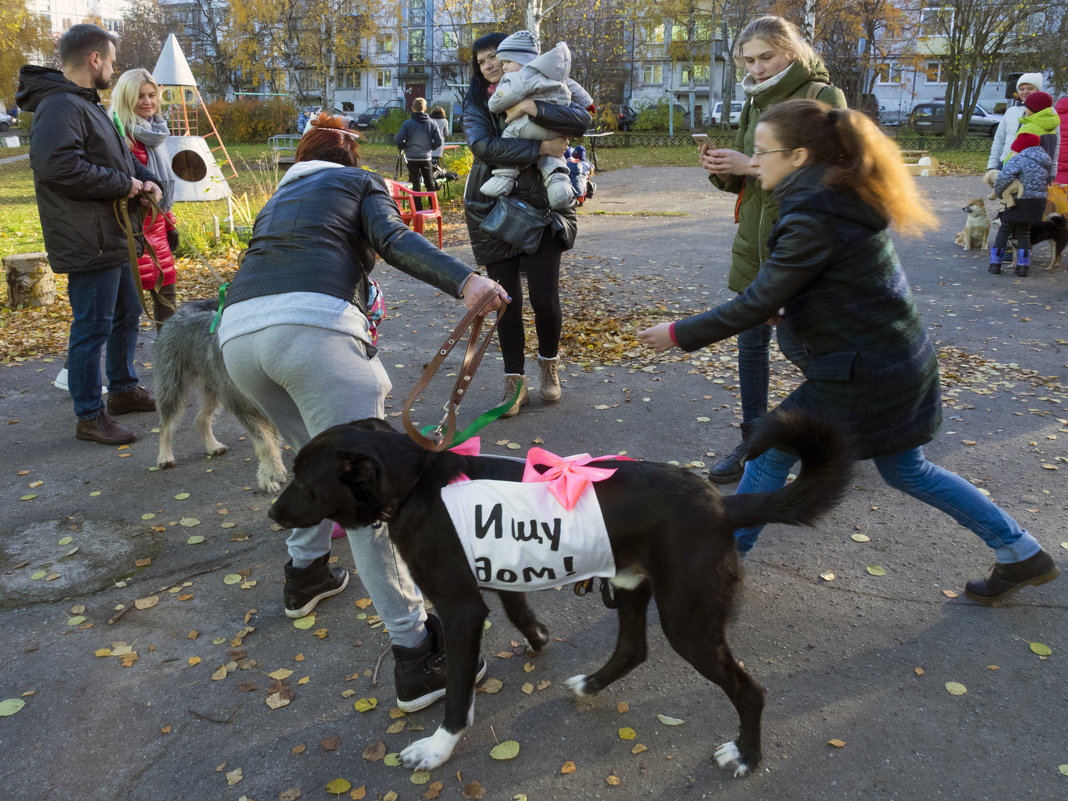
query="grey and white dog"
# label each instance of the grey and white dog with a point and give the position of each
(187, 355)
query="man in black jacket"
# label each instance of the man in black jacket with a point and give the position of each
(419, 138)
(81, 165)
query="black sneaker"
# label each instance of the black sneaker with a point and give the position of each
(730, 469)
(1005, 579)
(419, 672)
(306, 586)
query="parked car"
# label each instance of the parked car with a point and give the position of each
(717, 113)
(627, 116)
(6, 121)
(371, 117)
(931, 118)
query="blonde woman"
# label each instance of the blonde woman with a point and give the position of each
(135, 110)
(779, 65)
(870, 367)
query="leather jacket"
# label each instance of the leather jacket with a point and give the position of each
(483, 131)
(320, 233)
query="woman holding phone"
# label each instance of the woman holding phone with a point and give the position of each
(779, 65)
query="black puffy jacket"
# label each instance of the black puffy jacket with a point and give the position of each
(483, 131)
(320, 231)
(81, 165)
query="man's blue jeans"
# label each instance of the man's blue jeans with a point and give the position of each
(106, 313)
(910, 472)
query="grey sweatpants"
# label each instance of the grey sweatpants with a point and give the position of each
(307, 379)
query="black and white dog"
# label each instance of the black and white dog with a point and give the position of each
(671, 537)
(187, 356)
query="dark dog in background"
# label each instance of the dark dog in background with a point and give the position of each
(1053, 229)
(187, 355)
(671, 534)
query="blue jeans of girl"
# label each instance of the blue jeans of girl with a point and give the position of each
(910, 472)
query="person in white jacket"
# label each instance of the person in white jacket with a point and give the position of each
(1001, 148)
(528, 75)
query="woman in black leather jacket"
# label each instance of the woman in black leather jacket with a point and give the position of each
(504, 262)
(297, 339)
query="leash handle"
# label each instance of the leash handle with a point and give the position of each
(122, 215)
(472, 357)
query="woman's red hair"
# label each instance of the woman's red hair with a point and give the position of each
(329, 139)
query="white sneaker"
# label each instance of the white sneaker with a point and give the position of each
(61, 383)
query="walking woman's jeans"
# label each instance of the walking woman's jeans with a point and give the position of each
(910, 472)
(106, 312)
(306, 379)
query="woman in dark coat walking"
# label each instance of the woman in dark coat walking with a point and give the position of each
(869, 364)
(504, 262)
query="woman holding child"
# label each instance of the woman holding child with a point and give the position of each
(503, 262)
(869, 365)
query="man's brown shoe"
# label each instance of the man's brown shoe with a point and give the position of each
(137, 399)
(104, 430)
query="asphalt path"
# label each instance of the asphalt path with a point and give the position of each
(862, 660)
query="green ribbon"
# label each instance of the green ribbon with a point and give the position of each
(479, 422)
(222, 301)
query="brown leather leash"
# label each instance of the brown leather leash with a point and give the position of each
(122, 215)
(472, 357)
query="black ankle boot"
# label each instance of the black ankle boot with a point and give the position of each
(419, 672)
(730, 469)
(306, 586)
(1005, 579)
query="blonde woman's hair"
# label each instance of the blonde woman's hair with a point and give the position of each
(858, 155)
(124, 96)
(419, 104)
(781, 34)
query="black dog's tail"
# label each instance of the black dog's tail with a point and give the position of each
(826, 466)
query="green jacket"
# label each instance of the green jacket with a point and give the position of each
(756, 210)
(1046, 125)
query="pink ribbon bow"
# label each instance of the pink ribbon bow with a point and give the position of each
(568, 476)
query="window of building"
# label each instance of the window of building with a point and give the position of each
(349, 79)
(653, 73)
(888, 73)
(936, 21)
(417, 44)
(450, 40)
(679, 32)
(383, 78)
(385, 43)
(701, 73)
(933, 72)
(653, 32)
(416, 10)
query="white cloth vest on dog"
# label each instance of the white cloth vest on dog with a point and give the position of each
(517, 536)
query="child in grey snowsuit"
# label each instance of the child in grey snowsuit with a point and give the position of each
(1031, 165)
(538, 77)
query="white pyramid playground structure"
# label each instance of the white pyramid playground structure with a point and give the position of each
(196, 164)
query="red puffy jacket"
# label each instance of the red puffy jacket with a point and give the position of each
(1062, 158)
(156, 233)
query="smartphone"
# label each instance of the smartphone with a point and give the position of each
(700, 138)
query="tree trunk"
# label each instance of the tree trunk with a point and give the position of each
(30, 281)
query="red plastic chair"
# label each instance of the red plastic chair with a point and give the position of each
(405, 206)
(422, 215)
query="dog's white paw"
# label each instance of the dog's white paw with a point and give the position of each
(166, 464)
(270, 481)
(430, 752)
(216, 448)
(728, 756)
(577, 685)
